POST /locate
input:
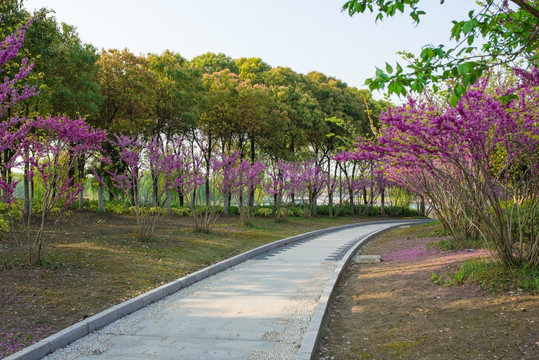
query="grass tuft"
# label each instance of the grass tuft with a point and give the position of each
(491, 275)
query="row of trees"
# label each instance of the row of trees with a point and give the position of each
(234, 129)
(240, 105)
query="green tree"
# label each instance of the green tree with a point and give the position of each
(129, 89)
(252, 68)
(303, 119)
(72, 76)
(209, 63)
(505, 34)
(219, 120)
(179, 95)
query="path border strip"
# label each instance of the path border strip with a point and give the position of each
(311, 339)
(78, 330)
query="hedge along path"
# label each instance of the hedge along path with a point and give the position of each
(256, 305)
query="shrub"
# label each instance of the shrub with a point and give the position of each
(181, 211)
(116, 208)
(264, 211)
(4, 227)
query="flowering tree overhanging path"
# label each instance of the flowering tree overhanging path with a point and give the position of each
(258, 309)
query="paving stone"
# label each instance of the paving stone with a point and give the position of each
(367, 259)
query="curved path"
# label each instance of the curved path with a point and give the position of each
(259, 309)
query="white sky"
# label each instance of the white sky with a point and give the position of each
(302, 34)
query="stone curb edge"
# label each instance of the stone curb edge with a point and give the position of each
(312, 336)
(76, 331)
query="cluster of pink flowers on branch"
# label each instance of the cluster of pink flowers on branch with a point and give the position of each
(10, 91)
(477, 161)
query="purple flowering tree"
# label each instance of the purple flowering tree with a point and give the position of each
(50, 151)
(240, 178)
(315, 180)
(283, 182)
(11, 92)
(150, 170)
(480, 157)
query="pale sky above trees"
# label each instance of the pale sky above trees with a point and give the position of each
(302, 34)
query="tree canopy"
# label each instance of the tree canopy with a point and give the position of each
(501, 32)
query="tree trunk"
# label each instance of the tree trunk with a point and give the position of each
(101, 205)
(340, 187)
(226, 202)
(32, 187)
(351, 198)
(382, 201)
(330, 204)
(207, 193)
(180, 196)
(365, 201)
(81, 179)
(169, 201)
(81, 197)
(26, 184)
(208, 161)
(155, 189)
(252, 197)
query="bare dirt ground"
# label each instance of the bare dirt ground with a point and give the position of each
(393, 309)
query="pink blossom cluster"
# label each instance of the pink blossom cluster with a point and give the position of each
(10, 93)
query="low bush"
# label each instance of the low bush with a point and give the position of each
(4, 227)
(181, 211)
(116, 208)
(265, 211)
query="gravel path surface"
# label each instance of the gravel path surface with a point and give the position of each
(259, 309)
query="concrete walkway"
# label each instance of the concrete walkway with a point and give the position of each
(259, 309)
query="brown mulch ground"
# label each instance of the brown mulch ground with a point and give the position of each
(393, 310)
